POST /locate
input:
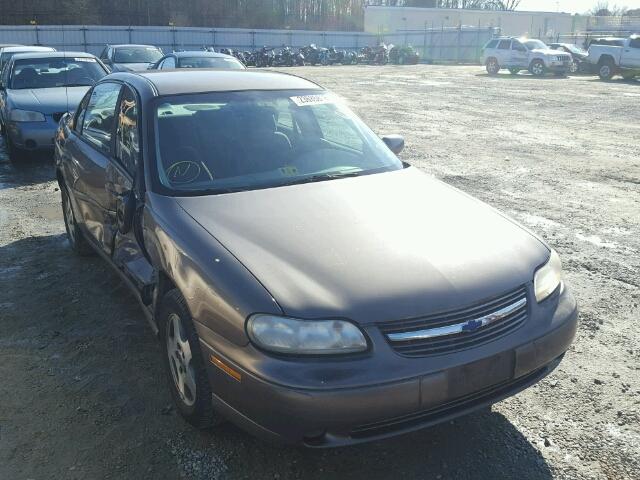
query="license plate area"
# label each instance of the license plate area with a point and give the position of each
(481, 374)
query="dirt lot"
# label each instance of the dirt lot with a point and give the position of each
(82, 392)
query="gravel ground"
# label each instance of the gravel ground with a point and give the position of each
(82, 391)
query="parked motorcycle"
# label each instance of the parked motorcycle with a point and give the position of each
(350, 58)
(403, 55)
(331, 56)
(284, 58)
(264, 57)
(312, 53)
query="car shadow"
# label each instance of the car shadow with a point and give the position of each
(102, 367)
(31, 169)
(617, 81)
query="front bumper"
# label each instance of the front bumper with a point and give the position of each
(33, 135)
(328, 413)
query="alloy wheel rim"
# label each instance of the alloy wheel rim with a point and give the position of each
(180, 360)
(537, 69)
(605, 70)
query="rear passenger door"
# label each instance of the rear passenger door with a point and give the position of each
(631, 54)
(89, 148)
(125, 191)
(503, 52)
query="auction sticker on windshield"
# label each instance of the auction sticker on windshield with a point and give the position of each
(304, 100)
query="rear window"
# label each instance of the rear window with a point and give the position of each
(491, 44)
(56, 72)
(137, 55)
(211, 62)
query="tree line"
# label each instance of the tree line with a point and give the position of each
(294, 14)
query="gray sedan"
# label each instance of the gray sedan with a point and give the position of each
(304, 282)
(36, 90)
(197, 59)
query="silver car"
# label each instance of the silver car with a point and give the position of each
(36, 90)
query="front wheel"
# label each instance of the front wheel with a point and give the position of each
(537, 68)
(183, 360)
(492, 66)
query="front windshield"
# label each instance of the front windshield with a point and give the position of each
(210, 62)
(220, 142)
(535, 45)
(137, 55)
(56, 72)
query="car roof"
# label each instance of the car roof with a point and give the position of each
(27, 48)
(176, 82)
(32, 55)
(132, 45)
(200, 53)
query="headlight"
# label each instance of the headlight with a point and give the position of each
(25, 116)
(311, 337)
(548, 277)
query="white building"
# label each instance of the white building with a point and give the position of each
(383, 20)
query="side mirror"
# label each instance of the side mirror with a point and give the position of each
(394, 142)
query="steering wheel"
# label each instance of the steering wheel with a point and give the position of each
(183, 172)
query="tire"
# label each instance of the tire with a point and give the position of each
(514, 71)
(15, 154)
(77, 240)
(606, 69)
(492, 66)
(184, 364)
(573, 68)
(537, 68)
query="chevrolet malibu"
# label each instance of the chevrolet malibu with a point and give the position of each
(36, 90)
(304, 282)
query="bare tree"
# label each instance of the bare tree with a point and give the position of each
(602, 9)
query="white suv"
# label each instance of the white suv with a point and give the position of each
(520, 54)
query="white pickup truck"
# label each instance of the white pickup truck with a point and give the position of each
(612, 60)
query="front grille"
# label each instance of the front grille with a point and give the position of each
(451, 409)
(57, 116)
(460, 329)
(563, 58)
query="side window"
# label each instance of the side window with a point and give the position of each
(5, 74)
(337, 129)
(127, 134)
(82, 108)
(168, 62)
(504, 45)
(492, 44)
(103, 55)
(97, 123)
(518, 46)
(635, 42)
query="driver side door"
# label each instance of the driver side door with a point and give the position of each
(519, 55)
(124, 187)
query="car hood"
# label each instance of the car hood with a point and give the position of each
(130, 67)
(378, 247)
(47, 100)
(549, 51)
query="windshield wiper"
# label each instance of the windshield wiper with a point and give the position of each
(321, 177)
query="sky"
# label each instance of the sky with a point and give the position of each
(571, 6)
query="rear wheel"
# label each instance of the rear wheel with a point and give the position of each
(188, 380)
(492, 66)
(514, 71)
(78, 243)
(606, 69)
(537, 68)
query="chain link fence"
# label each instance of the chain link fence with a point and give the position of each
(454, 45)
